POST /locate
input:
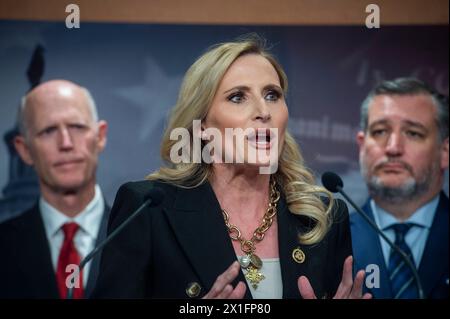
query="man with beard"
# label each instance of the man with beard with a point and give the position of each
(403, 153)
(61, 137)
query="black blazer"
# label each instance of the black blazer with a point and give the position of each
(26, 267)
(184, 240)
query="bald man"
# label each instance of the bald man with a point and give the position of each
(61, 137)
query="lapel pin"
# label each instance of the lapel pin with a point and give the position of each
(298, 255)
(193, 289)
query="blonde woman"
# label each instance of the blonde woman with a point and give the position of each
(224, 229)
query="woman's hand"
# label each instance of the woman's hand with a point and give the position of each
(347, 288)
(222, 288)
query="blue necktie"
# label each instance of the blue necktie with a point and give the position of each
(400, 275)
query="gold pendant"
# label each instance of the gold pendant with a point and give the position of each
(254, 276)
(251, 259)
(256, 261)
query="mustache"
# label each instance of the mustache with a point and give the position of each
(388, 161)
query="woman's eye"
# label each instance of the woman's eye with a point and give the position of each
(273, 95)
(236, 97)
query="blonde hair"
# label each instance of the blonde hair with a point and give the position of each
(196, 94)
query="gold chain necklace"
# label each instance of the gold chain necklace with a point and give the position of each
(251, 262)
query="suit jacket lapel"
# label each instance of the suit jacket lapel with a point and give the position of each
(434, 261)
(34, 259)
(368, 251)
(289, 227)
(95, 264)
(198, 225)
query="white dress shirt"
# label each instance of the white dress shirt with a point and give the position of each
(89, 221)
(271, 287)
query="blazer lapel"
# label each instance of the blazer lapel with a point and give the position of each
(289, 227)
(434, 261)
(95, 264)
(367, 249)
(197, 221)
(34, 257)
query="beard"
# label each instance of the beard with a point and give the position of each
(411, 188)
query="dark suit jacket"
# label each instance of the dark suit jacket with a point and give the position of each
(26, 266)
(433, 268)
(185, 240)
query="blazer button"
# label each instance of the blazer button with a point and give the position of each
(298, 255)
(193, 289)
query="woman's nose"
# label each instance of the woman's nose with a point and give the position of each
(262, 111)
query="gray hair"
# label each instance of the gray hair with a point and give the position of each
(409, 86)
(22, 122)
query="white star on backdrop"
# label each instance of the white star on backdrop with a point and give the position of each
(155, 97)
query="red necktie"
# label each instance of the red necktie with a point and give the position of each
(67, 256)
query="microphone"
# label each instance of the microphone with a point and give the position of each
(152, 198)
(332, 182)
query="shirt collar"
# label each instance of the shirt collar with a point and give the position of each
(88, 219)
(422, 217)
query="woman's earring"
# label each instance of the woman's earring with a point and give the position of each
(204, 136)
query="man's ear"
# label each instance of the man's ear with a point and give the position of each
(22, 148)
(444, 155)
(102, 131)
(360, 137)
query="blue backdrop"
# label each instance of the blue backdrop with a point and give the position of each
(134, 72)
